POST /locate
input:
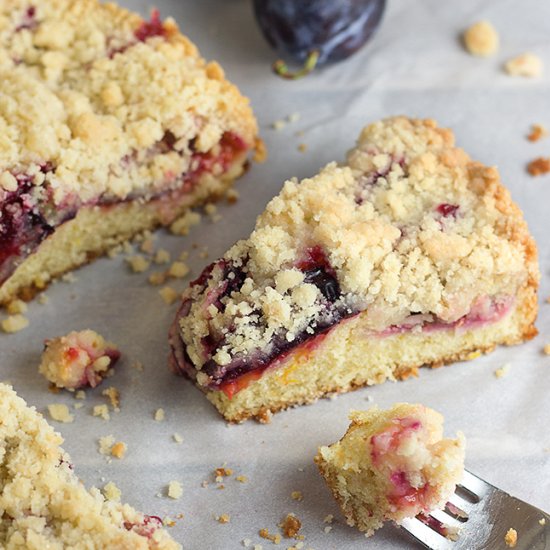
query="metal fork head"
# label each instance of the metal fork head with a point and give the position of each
(477, 517)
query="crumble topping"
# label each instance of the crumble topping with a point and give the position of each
(411, 230)
(537, 132)
(511, 538)
(526, 64)
(14, 323)
(112, 492)
(159, 415)
(481, 39)
(60, 412)
(291, 526)
(102, 411)
(175, 490)
(539, 166)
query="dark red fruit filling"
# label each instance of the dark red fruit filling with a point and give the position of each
(318, 271)
(29, 20)
(446, 209)
(146, 528)
(151, 28)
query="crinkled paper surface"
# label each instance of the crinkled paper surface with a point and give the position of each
(415, 66)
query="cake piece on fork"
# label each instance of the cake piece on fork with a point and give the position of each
(410, 254)
(109, 125)
(43, 503)
(391, 465)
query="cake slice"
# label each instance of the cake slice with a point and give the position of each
(43, 505)
(109, 125)
(391, 465)
(410, 254)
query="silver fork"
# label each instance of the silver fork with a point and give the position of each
(477, 517)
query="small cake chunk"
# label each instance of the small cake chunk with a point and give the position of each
(78, 359)
(45, 506)
(526, 64)
(481, 39)
(391, 465)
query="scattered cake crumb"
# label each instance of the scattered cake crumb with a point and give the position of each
(157, 278)
(539, 166)
(526, 64)
(168, 522)
(112, 492)
(242, 479)
(138, 263)
(14, 323)
(204, 484)
(102, 411)
(177, 438)
(542, 521)
(178, 270)
(43, 299)
(60, 412)
(246, 542)
(80, 394)
(16, 306)
(147, 246)
(302, 147)
(258, 547)
(502, 371)
(274, 538)
(68, 278)
(78, 406)
(118, 450)
(162, 256)
(297, 495)
(222, 472)
(105, 444)
(159, 415)
(184, 223)
(293, 117)
(511, 538)
(546, 349)
(278, 125)
(169, 295)
(291, 525)
(175, 490)
(481, 39)
(232, 196)
(224, 518)
(537, 132)
(328, 519)
(138, 365)
(114, 397)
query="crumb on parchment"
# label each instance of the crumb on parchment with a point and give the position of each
(539, 166)
(511, 538)
(481, 39)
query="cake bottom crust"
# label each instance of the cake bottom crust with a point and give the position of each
(96, 229)
(347, 359)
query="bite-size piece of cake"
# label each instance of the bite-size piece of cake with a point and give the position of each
(391, 465)
(410, 254)
(78, 359)
(44, 505)
(109, 125)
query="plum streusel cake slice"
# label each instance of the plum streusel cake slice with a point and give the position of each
(44, 505)
(109, 125)
(411, 254)
(391, 465)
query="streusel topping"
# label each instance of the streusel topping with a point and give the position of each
(94, 100)
(43, 503)
(410, 226)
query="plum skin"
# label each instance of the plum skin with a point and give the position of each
(334, 28)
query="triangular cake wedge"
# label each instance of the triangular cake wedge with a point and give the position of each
(392, 465)
(44, 505)
(410, 254)
(109, 125)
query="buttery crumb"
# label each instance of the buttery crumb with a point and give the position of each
(157, 278)
(80, 394)
(183, 224)
(231, 196)
(78, 406)
(526, 64)
(147, 246)
(177, 438)
(114, 397)
(293, 117)
(278, 125)
(224, 518)
(112, 492)
(274, 538)
(60, 412)
(246, 542)
(291, 525)
(327, 529)
(511, 538)
(222, 472)
(265, 416)
(242, 479)
(328, 519)
(105, 444)
(102, 411)
(138, 263)
(302, 147)
(159, 415)
(481, 39)
(539, 166)
(16, 306)
(503, 371)
(68, 278)
(258, 547)
(546, 349)
(43, 299)
(168, 522)
(118, 450)
(14, 323)
(537, 132)
(169, 295)
(297, 495)
(175, 490)
(178, 270)
(162, 256)
(542, 521)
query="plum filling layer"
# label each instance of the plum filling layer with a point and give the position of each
(243, 369)
(28, 214)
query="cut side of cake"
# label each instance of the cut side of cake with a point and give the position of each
(391, 465)
(410, 254)
(109, 125)
(43, 505)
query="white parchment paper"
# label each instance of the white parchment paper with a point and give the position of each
(415, 66)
